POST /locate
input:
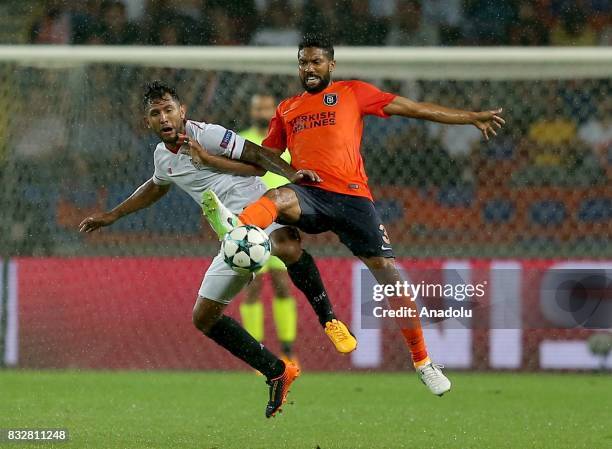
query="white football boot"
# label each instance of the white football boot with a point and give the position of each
(431, 375)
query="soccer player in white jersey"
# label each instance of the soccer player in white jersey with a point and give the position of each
(195, 157)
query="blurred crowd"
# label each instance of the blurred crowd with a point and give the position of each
(349, 22)
(562, 137)
(544, 181)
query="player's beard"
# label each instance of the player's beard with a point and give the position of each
(323, 83)
(172, 140)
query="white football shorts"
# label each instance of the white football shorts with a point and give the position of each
(221, 283)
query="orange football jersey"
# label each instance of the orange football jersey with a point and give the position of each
(323, 133)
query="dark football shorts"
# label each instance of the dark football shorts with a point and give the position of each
(352, 218)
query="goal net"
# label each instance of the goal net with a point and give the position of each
(72, 142)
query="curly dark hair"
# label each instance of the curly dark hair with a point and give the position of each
(155, 90)
(316, 40)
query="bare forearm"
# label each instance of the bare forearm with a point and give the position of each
(143, 196)
(226, 165)
(441, 114)
(486, 121)
(267, 159)
(429, 111)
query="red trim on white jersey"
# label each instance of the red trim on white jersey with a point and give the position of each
(175, 148)
(194, 124)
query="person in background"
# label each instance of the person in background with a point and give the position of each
(263, 107)
(116, 28)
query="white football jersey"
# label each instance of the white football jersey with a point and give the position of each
(234, 191)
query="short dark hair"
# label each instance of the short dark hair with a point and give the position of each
(316, 40)
(155, 90)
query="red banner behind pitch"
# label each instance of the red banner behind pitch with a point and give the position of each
(135, 313)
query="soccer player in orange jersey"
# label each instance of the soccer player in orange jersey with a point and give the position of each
(322, 129)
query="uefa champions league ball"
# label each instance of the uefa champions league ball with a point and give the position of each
(246, 249)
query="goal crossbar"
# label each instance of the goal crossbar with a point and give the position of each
(390, 62)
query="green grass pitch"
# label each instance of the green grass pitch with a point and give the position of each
(345, 410)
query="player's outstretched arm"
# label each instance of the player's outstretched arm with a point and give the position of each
(144, 196)
(222, 163)
(485, 121)
(271, 161)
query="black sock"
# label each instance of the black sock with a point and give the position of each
(228, 334)
(305, 276)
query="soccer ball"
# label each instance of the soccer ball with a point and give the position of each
(246, 249)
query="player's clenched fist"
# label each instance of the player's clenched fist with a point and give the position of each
(96, 221)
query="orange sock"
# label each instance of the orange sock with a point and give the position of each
(412, 332)
(261, 213)
(416, 343)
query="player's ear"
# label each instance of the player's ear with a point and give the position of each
(332, 65)
(145, 122)
(183, 112)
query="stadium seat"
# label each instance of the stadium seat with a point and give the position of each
(498, 210)
(499, 149)
(456, 196)
(390, 209)
(594, 210)
(547, 212)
